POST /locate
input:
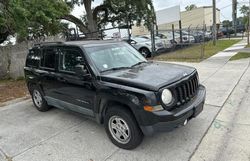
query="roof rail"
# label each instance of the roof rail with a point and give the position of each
(44, 43)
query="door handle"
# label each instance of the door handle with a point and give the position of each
(62, 79)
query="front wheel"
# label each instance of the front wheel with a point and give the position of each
(145, 52)
(122, 129)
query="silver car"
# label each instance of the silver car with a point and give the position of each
(144, 46)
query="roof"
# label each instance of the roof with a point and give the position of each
(77, 43)
(202, 7)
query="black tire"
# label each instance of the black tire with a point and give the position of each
(136, 136)
(145, 52)
(42, 106)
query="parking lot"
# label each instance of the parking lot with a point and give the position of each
(26, 134)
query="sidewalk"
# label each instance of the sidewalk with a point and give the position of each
(228, 137)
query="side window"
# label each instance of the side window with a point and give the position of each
(49, 58)
(69, 58)
(33, 58)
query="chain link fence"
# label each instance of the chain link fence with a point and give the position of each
(191, 44)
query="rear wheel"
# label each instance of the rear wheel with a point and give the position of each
(39, 100)
(122, 129)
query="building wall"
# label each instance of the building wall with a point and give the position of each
(194, 18)
(209, 16)
(139, 30)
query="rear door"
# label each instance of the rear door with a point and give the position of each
(48, 69)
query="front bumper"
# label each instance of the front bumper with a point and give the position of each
(167, 121)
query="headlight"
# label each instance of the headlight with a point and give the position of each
(166, 96)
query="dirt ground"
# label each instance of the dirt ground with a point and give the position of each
(11, 89)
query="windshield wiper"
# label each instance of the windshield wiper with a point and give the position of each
(117, 68)
(139, 63)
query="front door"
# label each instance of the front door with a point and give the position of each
(74, 92)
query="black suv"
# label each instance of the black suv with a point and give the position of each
(115, 85)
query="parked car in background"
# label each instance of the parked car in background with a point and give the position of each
(143, 45)
(201, 36)
(220, 34)
(187, 37)
(227, 30)
(166, 42)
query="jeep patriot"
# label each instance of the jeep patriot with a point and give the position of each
(113, 84)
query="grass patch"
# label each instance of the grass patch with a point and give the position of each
(248, 46)
(194, 53)
(240, 55)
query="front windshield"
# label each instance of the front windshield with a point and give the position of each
(113, 56)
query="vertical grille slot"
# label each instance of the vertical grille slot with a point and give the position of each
(186, 90)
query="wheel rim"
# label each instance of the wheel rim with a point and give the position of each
(37, 98)
(144, 52)
(119, 129)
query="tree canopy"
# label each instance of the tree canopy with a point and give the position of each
(190, 7)
(30, 17)
(245, 11)
(43, 17)
(227, 23)
(112, 11)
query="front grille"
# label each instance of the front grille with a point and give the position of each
(186, 90)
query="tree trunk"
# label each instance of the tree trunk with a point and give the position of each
(92, 24)
(76, 21)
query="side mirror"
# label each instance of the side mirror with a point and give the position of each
(81, 70)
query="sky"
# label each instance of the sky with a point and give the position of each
(224, 5)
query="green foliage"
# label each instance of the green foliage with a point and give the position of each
(227, 23)
(141, 12)
(245, 11)
(240, 55)
(190, 7)
(31, 17)
(193, 53)
(117, 12)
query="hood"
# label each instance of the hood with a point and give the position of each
(151, 76)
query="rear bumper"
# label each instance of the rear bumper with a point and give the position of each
(167, 121)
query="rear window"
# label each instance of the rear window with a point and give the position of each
(33, 58)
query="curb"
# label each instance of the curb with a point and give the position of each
(15, 101)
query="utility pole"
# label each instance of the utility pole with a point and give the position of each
(234, 15)
(214, 23)
(248, 26)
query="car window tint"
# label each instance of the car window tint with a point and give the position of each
(69, 59)
(33, 58)
(49, 58)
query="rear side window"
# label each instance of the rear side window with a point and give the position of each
(33, 58)
(49, 58)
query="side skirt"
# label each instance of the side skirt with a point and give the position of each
(68, 106)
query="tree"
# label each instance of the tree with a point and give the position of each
(113, 11)
(245, 11)
(190, 7)
(30, 17)
(227, 23)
